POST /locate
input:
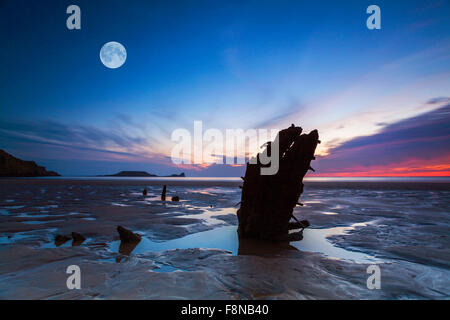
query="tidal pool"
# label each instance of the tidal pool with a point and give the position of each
(226, 238)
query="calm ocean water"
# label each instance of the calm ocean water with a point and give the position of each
(238, 179)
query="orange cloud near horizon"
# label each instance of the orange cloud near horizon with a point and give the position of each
(409, 168)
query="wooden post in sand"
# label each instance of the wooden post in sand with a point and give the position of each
(268, 201)
(163, 194)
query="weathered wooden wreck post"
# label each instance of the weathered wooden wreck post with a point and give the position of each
(268, 201)
(163, 194)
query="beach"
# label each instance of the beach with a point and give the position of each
(190, 249)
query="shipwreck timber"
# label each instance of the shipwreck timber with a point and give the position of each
(268, 201)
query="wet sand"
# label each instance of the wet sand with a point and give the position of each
(190, 249)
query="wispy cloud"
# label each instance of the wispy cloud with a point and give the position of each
(415, 146)
(124, 141)
(388, 94)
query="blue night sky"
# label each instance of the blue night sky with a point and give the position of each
(230, 64)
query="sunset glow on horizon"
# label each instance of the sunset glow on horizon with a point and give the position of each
(379, 98)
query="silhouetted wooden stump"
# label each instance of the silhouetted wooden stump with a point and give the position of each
(163, 194)
(268, 201)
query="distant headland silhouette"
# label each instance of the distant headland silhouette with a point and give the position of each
(140, 174)
(13, 167)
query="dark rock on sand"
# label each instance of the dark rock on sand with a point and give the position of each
(126, 236)
(125, 249)
(61, 239)
(268, 201)
(78, 239)
(14, 167)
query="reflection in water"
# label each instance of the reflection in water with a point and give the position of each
(41, 221)
(255, 247)
(165, 268)
(209, 217)
(315, 240)
(120, 204)
(226, 238)
(221, 238)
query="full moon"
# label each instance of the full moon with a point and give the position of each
(113, 55)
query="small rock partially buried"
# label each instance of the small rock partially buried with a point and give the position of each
(60, 239)
(78, 237)
(127, 236)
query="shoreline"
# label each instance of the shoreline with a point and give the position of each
(227, 182)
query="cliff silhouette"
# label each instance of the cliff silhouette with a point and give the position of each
(13, 167)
